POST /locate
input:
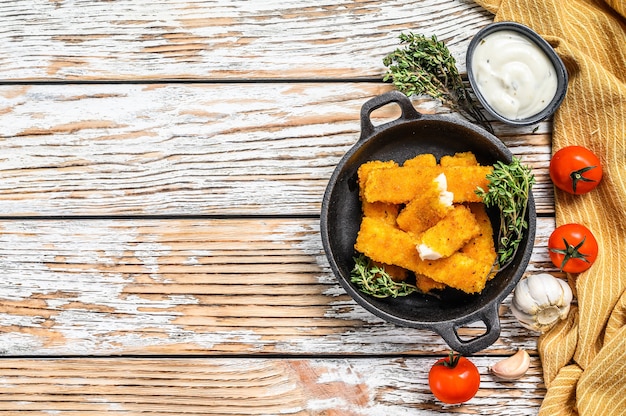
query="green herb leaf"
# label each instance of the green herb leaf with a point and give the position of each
(426, 66)
(509, 190)
(375, 281)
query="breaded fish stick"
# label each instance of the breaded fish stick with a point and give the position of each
(425, 159)
(459, 159)
(425, 284)
(402, 184)
(458, 271)
(482, 248)
(396, 273)
(384, 243)
(449, 234)
(399, 185)
(427, 208)
(383, 210)
(464, 180)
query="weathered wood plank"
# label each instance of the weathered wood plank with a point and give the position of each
(152, 386)
(204, 149)
(213, 290)
(220, 39)
(100, 287)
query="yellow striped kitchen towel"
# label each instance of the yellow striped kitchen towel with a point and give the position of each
(584, 357)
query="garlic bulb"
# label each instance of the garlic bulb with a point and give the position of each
(540, 301)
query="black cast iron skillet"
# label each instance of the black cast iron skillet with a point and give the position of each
(411, 134)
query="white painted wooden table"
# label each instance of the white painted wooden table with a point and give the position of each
(162, 167)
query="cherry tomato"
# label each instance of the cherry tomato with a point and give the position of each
(454, 379)
(573, 248)
(575, 169)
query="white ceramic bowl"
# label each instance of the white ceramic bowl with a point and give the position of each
(478, 76)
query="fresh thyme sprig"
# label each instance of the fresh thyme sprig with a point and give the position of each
(374, 280)
(426, 66)
(509, 190)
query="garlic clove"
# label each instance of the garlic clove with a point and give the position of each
(567, 295)
(538, 288)
(545, 289)
(513, 367)
(523, 298)
(525, 319)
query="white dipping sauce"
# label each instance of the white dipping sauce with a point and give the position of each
(513, 74)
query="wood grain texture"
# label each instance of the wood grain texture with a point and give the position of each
(201, 149)
(182, 39)
(161, 176)
(200, 386)
(231, 286)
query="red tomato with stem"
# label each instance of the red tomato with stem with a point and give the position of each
(454, 379)
(575, 169)
(573, 248)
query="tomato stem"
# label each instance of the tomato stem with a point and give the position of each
(577, 176)
(451, 361)
(571, 252)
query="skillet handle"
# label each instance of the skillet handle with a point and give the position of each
(408, 111)
(490, 318)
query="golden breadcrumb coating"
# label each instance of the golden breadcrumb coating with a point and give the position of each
(387, 244)
(365, 169)
(425, 159)
(482, 248)
(457, 271)
(425, 284)
(404, 206)
(464, 180)
(424, 211)
(450, 234)
(400, 185)
(397, 273)
(459, 159)
(383, 210)
(384, 243)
